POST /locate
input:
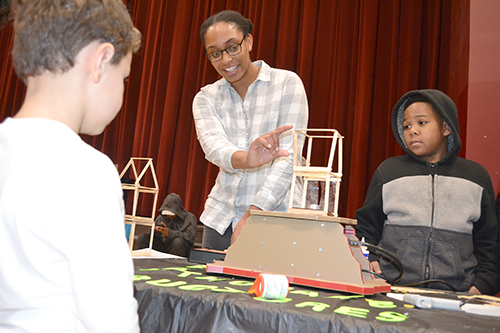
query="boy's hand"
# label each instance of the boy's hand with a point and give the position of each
(474, 290)
(375, 267)
(262, 150)
(163, 229)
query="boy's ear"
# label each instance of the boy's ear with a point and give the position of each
(103, 56)
(446, 129)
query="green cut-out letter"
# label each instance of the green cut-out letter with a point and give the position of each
(284, 300)
(353, 312)
(197, 287)
(390, 316)
(304, 292)
(316, 306)
(197, 266)
(228, 290)
(141, 277)
(241, 283)
(210, 278)
(166, 283)
(381, 304)
(345, 297)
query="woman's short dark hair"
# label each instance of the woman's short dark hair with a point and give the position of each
(229, 16)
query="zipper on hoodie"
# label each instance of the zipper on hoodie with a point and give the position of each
(432, 167)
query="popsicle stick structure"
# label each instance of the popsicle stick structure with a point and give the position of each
(309, 250)
(321, 184)
(139, 167)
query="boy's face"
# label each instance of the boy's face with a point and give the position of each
(110, 96)
(425, 135)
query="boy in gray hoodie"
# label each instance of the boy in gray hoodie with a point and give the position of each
(432, 209)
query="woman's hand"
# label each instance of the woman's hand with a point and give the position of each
(262, 150)
(241, 223)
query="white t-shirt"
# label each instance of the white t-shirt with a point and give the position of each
(65, 265)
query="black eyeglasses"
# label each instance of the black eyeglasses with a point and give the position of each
(231, 50)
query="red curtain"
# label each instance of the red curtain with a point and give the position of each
(355, 57)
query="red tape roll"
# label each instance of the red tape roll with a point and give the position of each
(270, 286)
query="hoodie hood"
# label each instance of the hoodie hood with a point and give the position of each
(173, 203)
(444, 107)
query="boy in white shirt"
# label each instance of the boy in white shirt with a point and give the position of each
(55, 190)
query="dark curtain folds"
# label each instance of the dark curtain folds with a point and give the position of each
(356, 59)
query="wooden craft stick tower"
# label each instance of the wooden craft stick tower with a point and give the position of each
(321, 184)
(139, 167)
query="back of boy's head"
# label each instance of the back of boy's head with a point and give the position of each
(49, 34)
(443, 107)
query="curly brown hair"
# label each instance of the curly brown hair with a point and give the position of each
(49, 34)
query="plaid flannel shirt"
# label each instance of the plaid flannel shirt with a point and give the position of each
(225, 124)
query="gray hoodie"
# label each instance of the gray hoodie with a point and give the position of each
(437, 218)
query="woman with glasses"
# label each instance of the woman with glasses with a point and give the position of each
(238, 121)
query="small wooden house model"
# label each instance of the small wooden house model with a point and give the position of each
(139, 167)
